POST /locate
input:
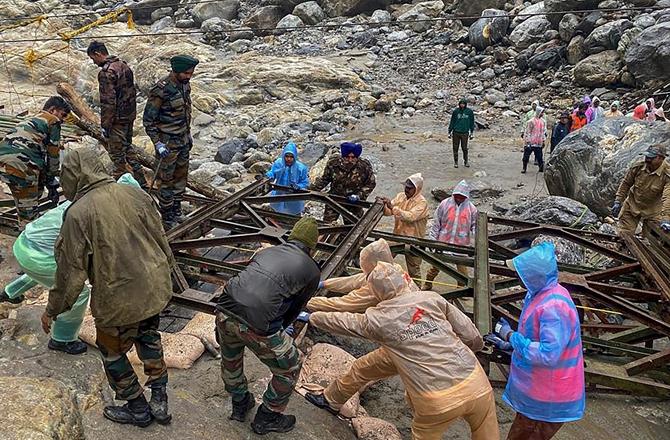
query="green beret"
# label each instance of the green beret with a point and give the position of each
(182, 63)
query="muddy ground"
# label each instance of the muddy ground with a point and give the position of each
(402, 147)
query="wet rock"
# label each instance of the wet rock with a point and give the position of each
(312, 153)
(255, 157)
(601, 69)
(479, 189)
(185, 23)
(162, 24)
(576, 51)
(644, 21)
(567, 27)
(380, 16)
(588, 24)
(487, 74)
(160, 13)
(39, 409)
(384, 104)
(143, 9)
(554, 210)
(227, 151)
(489, 29)
(528, 84)
(474, 8)
(553, 57)
(648, 57)
(567, 252)
(492, 96)
(207, 172)
(607, 36)
(558, 6)
(265, 17)
(371, 428)
(288, 22)
(309, 12)
(338, 8)
(530, 31)
(224, 9)
(627, 40)
(260, 167)
(589, 164)
(527, 13)
(397, 36)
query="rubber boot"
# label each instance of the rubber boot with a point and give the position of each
(320, 401)
(135, 412)
(267, 421)
(159, 404)
(5, 298)
(242, 408)
(74, 347)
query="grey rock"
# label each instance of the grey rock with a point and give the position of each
(260, 167)
(224, 9)
(323, 126)
(601, 69)
(377, 91)
(567, 27)
(479, 189)
(143, 9)
(627, 40)
(528, 84)
(558, 84)
(162, 24)
(589, 164)
(309, 12)
(380, 16)
(160, 13)
(459, 67)
(383, 104)
(607, 36)
(226, 151)
(551, 35)
(648, 57)
(264, 18)
(289, 22)
(576, 51)
(185, 23)
(312, 153)
(552, 57)
(488, 74)
(240, 46)
(644, 21)
(554, 210)
(496, 22)
(257, 156)
(242, 34)
(397, 36)
(492, 96)
(203, 120)
(536, 8)
(427, 8)
(558, 6)
(338, 8)
(473, 8)
(589, 23)
(421, 23)
(530, 31)
(566, 251)
(207, 172)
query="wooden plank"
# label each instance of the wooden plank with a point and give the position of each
(639, 387)
(648, 363)
(649, 266)
(482, 284)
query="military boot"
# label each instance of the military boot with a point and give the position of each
(168, 218)
(525, 167)
(320, 401)
(159, 404)
(135, 412)
(267, 420)
(74, 347)
(177, 212)
(242, 408)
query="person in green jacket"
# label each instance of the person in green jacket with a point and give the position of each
(461, 128)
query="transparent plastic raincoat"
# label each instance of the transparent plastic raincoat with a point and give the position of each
(296, 174)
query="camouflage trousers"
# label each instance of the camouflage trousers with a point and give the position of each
(119, 145)
(23, 180)
(173, 174)
(276, 351)
(115, 342)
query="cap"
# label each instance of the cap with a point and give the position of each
(656, 150)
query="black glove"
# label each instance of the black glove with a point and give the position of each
(294, 186)
(616, 209)
(52, 186)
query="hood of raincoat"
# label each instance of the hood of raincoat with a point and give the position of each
(82, 171)
(652, 102)
(587, 100)
(417, 181)
(536, 102)
(387, 281)
(616, 104)
(374, 253)
(595, 99)
(462, 188)
(537, 267)
(538, 111)
(292, 149)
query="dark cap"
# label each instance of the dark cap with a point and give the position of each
(656, 150)
(564, 115)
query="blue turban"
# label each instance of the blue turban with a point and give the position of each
(346, 148)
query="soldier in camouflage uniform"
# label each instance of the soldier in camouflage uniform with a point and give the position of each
(117, 110)
(348, 176)
(30, 158)
(167, 121)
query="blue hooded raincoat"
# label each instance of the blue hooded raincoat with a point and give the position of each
(546, 380)
(297, 174)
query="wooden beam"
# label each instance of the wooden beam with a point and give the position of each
(648, 363)
(482, 283)
(649, 266)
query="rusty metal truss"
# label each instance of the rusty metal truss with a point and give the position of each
(219, 237)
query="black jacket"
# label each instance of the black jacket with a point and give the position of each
(560, 131)
(270, 292)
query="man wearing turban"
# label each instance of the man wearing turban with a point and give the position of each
(167, 121)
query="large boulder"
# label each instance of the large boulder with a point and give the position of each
(648, 57)
(546, 59)
(567, 27)
(607, 36)
(489, 29)
(557, 6)
(143, 9)
(226, 10)
(576, 51)
(530, 31)
(554, 210)
(338, 8)
(589, 164)
(289, 22)
(309, 12)
(38, 409)
(599, 70)
(429, 9)
(264, 18)
(473, 8)
(527, 13)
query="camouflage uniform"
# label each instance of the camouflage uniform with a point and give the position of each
(29, 157)
(115, 342)
(276, 351)
(167, 119)
(345, 181)
(117, 115)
